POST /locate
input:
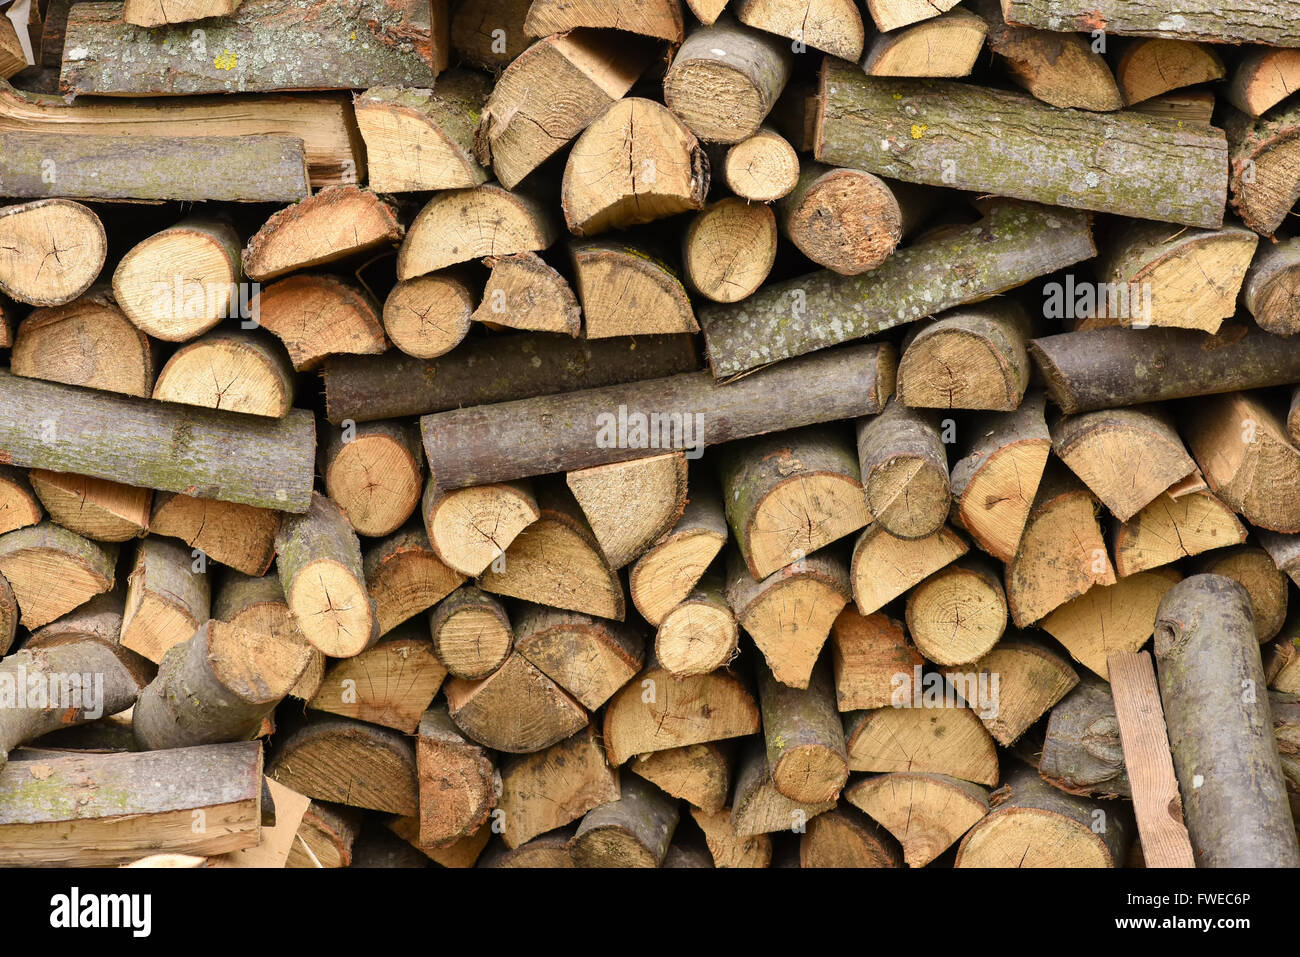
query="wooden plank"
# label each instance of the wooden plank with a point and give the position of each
(1145, 740)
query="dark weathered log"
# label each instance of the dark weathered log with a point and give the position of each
(1012, 245)
(936, 131)
(265, 45)
(245, 169)
(1268, 21)
(1082, 753)
(480, 445)
(633, 831)
(495, 369)
(118, 438)
(1105, 368)
(1213, 689)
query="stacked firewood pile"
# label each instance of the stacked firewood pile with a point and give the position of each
(615, 433)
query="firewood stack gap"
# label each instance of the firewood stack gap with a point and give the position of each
(631, 433)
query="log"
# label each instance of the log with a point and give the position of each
(524, 292)
(132, 804)
(631, 504)
(557, 561)
(590, 658)
(835, 27)
(238, 371)
(614, 179)
(323, 121)
(845, 837)
(1172, 528)
(885, 566)
(927, 813)
(762, 167)
(52, 570)
(1185, 106)
(240, 536)
(30, 236)
(325, 836)
(759, 808)
(318, 559)
(423, 139)
(1013, 686)
(804, 737)
(374, 472)
(846, 220)
(8, 616)
(552, 788)
(457, 780)
(994, 483)
(1254, 570)
(943, 740)
(892, 14)
(655, 712)
(1162, 276)
(1262, 178)
(62, 684)
(1082, 749)
(1061, 554)
(88, 342)
(725, 847)
(1262, 78)
(726, 78)
(143, 13)
(1106, 368)
(970, 358)
(19, 506)
(550, 93)
(1272, 285)
(168, 598)
(698, 774)
(1110, 619)
(662, 578)
(1061, 69)
(472, 636)
(946, 46)
(789, 613)
(392, 683)
(1152, 169)
(257, 605)
(495, 369)
(728, 248)
(1034, 825)
(181, 282)
(317, 316)
(516, 709)
(1126, 457)
(1150, 67)
(958, 614)
(1284, 550)
(867, 652)
(274, 455)
(12, 58)
(633, 831)
(661, 19)
(1200, 20)
(626, 291)
(904, 471)
(333, 224)
(241, 169)
(480, 445)
(217, 686)
(1006, 249)
(549, 851)
(449, 230)
(470, 528)
(701, 634)
(1247, 458)
(96, 509)
(475, 37)
(789, 494)
(265, 45)
(349, 762)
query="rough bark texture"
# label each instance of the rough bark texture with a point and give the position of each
(804, 737)
(1213, 689)
(265, 45)
(1268, 21)
(1082, 753)
(458, 781)
(1012, 245)
(480, 445)
(1264, 177)
(904, 470)
(1144, 167)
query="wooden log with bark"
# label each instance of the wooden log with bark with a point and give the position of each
(88, 342)
(945, 46)
(729, 248)
(470, 528)
(33, 234)
(333, 224)
(458, 782)
(1197, 20)
(626, 290)
(234, 370)
(257, 604)
(1262, 78)
(449, 229)
(944, 740)
(904, 467)
(349, 762)
(700, 634)
(633, 831)
(472, 636)
(699, 774)
(392, 683)
(99, 510)
(762, 167)
(885, 566)
(927, 813)
(970, 358)
(867, 653)
(524, 292)
(516, 709)
(552, 788)
(168, 598)
(317, 316)
(590, 658)
(375, 473)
